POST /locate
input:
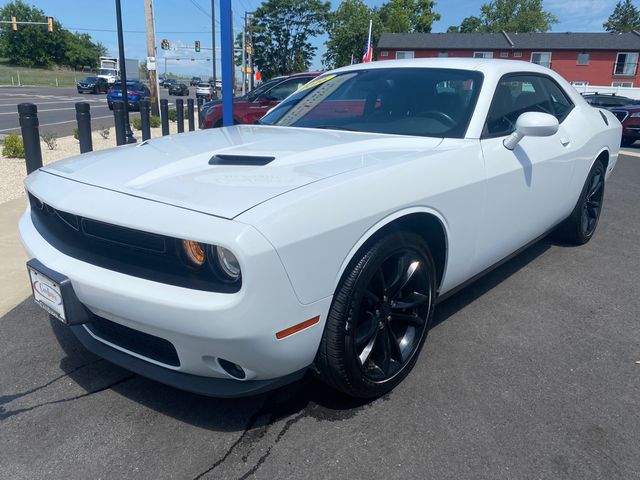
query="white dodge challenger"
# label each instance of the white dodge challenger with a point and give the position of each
(230, 261)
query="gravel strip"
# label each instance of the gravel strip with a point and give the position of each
(13, 170)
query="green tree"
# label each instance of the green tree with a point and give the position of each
(625, 18)
(468, 25)
(511, 16)
(400, 16)
(34, 45)
(30, 45)
(81, 52)
(348, 30)
(281, 33)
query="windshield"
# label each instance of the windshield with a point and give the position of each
(204, 85)
(403, 101)
(90, 79)
(106, 71)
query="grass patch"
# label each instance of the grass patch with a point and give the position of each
(38, 76)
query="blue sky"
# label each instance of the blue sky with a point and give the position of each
(191, 20)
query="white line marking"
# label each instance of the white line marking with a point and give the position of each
(51, 110)
(57, 123)
(58, 101)
(631, 153)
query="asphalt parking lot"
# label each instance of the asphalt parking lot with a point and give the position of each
(531, 372)
(56, 108)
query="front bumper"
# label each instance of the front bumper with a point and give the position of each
(204, 327)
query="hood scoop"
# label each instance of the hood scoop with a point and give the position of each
(250, 160)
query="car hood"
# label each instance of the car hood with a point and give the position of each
(176, 170)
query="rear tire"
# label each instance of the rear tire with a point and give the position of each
(379, 318)
(581, 224)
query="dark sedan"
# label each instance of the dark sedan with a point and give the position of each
(179, 89)
(136, 91)
(93, 85)
(606, 100)
(629, 116)
(169, 82)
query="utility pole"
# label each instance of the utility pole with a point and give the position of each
(250, 42)
(151, 56)
(123, 75)
(244, 55)
(213, 45)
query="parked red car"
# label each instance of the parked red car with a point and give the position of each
(629, 117)
(254, 105)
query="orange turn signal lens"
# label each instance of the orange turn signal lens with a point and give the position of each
(194, 251)
(296, 328)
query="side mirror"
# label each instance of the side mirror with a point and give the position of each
(532, 124)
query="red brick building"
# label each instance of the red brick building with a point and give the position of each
(603, 59)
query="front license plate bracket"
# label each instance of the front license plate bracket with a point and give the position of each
(75, 313)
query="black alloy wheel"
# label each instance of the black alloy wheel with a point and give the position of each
(592, 204)
(579, 228)
(379, 318)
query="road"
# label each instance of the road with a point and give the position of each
(531, 372)
(56, 108)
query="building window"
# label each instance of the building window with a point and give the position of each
(384, 53)
(482, 54)
(583, 58)
(626, 63)
(504, 54)
(622, 84)
(541, 58)
(517, 54)
(403, 55)
(443, 54)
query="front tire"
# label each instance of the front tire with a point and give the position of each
(581, 224)
(379, 317)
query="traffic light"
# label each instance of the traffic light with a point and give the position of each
(197, 45)
(50, 24)
(14, 24)
(164, 44)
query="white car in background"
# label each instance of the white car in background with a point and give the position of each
(204, 90)
(230, 261)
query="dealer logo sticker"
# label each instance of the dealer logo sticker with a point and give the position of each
(47, 292)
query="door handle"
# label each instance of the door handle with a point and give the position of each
(564, 141)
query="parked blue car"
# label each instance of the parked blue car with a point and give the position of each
(136, 91)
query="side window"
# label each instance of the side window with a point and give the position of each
(517, 94)
(286, 88)
(559, 101)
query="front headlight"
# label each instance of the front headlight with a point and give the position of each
(636, 115)
(228, 264)
(194, 252)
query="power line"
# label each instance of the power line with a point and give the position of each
(129, 31)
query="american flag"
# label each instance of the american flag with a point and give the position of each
(367, 54)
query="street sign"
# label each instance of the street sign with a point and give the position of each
(151, 63)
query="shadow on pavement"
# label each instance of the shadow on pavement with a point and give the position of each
(305, 398)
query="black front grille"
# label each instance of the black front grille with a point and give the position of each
(135, 341)
(125, 250)
(620, 114)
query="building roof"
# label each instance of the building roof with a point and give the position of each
(511, 41)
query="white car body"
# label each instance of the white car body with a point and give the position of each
(296, 223)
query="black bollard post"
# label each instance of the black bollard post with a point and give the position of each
(144, 118)
(164, 115)
(180, 111)
(200, 102)
(83, 117)
(118, 118)
(29, 124)
(192, 127)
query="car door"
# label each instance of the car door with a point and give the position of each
(526, 186)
